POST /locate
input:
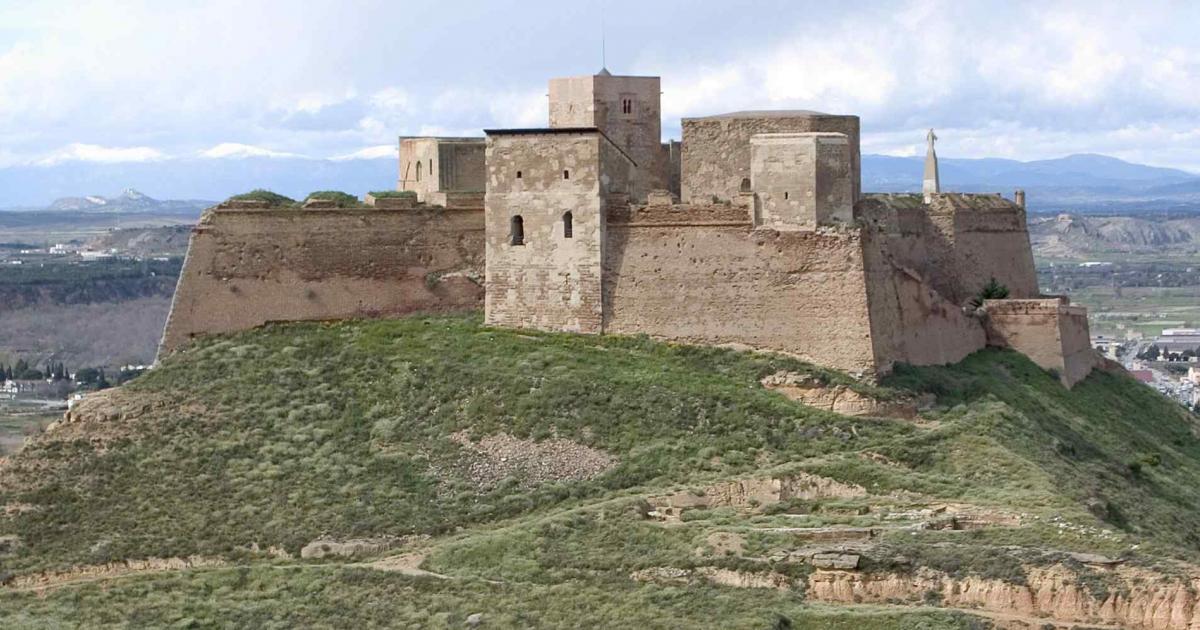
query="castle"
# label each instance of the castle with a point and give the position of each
(751, 232)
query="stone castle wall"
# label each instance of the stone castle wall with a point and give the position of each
(701, 274)
(247, 267)
(1048, 331)
(958, 242)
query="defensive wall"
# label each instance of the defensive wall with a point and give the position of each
(248, 265)
(957, 242)
(1049, 331)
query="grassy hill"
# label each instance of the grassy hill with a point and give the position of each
(553, 480)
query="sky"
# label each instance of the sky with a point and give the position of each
(133, 81)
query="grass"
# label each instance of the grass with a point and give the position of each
(389, 194)
(293, 432)
(340, 199)
(281, 435)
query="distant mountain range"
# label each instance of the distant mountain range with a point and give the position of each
(1076, 182)
(35, 186)
(1073, 183)
(129, 201)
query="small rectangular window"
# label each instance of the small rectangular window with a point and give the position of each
(566, 174)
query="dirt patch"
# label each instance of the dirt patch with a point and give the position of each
(356, 547)
(88, 573)
(752, 494)
(812, 391)
(498, 457)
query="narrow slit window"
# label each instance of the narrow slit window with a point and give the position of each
(568, 228)
(418, 171)
(785, 195)
(518, 230)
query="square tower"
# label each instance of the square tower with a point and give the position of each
(544, 215)
(627, 109)
(801, 180)
(438, 169)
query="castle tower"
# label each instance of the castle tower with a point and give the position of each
(932, 183)
(801, 180)
(627, 109)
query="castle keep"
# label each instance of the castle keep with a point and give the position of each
(752, 232)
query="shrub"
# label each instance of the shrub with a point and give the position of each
(272, 198)
(393, 194)
(339, 198)
(993, 290)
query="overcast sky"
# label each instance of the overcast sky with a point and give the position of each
(132, 81)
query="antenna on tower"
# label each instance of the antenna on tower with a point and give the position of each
(603, 46)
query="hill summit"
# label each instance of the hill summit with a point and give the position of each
(433, 472)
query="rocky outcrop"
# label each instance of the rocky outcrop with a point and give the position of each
(1140, 601)
(812, 391)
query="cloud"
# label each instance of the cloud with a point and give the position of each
(180, 77)
(383, 151)
(234, 150)
(105, 155)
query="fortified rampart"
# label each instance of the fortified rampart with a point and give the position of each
(247, 266)
(703, 274)
(1049, 331)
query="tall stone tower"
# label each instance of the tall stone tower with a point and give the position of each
(932, 182)
(627, 109)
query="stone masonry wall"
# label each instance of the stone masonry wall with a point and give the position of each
(1048, 331)
(712, 279)
(247, 267)
(716, 149)
(958, 242)
(910, 321)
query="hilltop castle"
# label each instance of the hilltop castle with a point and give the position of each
(753, 231)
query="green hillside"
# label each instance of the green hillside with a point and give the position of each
(528, 472)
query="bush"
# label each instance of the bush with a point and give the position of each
(272, 198)
(993, 290)
(339, 198)
(393, 194)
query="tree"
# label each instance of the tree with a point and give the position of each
(993, 290)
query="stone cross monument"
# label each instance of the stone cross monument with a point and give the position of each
(932, 183)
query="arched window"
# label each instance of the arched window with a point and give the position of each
(418, 170)
(518, 174)
(568, 228)
(517, 230)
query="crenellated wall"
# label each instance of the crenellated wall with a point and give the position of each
(249, 266)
